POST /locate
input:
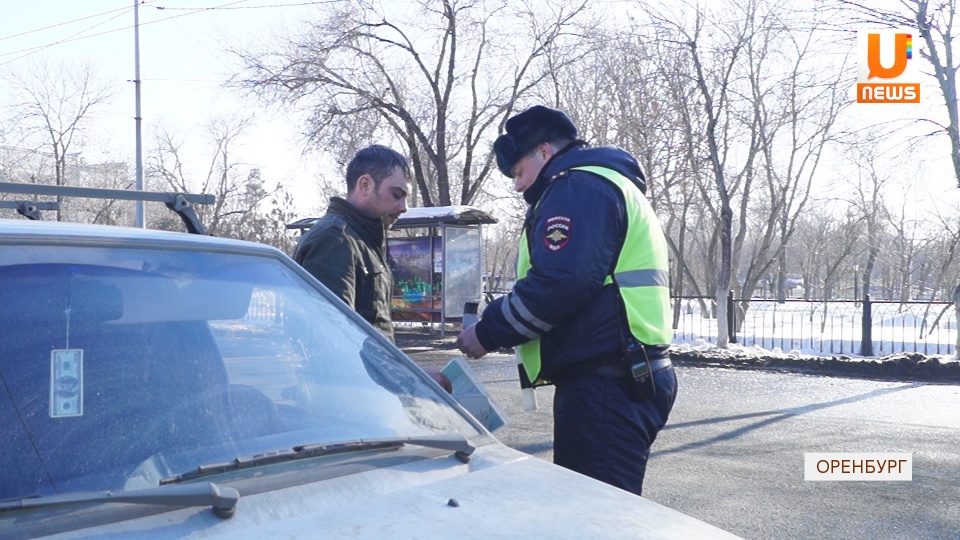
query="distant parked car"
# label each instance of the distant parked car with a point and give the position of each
(171, 385)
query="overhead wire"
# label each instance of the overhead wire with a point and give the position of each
(77, 37)
(35, 30)
(158, 8)
(297, 4)
(190, 10)
(73, 37)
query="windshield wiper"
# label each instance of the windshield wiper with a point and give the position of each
(222, 499)
(453, 442)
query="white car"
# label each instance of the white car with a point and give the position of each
(160, 385)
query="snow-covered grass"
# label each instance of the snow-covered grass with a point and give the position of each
(816, 329)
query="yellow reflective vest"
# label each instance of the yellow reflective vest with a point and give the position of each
(641, 273)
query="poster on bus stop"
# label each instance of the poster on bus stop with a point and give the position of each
(416, 294)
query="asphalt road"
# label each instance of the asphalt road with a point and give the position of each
(732, 453)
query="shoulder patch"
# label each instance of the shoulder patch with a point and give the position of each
(557, 232)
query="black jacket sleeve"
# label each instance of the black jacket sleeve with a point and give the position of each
(574, 236)
(328, 255)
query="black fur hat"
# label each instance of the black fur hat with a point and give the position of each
(525, 131)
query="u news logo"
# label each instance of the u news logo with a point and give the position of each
(887, 73)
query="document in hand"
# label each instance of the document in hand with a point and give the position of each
(471, 394)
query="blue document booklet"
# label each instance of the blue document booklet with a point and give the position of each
(471, 394)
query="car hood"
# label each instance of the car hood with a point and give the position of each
(501, 493)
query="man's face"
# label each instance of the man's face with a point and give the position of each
(526, 170)
(389, 199)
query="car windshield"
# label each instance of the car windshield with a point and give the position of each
(121, 367)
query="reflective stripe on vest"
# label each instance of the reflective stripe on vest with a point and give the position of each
(641, 273)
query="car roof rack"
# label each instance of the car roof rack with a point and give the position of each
(181, 203)
(30, 209)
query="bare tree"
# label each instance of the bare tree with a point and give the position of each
(237, 186)
(908, 246)
(500, 252)
(107, 175)
(441, 77)
(945, 251)
(55, 102)
(689, 219)
(867, 200)
(796, 110)
(935, 23)
(757, 115)
(617, 96)
(827, 241)
(716, 55)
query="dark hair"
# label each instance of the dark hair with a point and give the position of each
(377, 161)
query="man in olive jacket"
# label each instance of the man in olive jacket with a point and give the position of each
(346, 249)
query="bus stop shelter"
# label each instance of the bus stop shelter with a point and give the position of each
(436, 256)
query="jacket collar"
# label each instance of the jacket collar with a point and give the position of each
(534, 192)
(373, 230)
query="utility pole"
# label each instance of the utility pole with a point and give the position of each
(137, 118)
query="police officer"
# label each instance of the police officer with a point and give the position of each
(590, 311)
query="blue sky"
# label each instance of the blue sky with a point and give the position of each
(182, 66)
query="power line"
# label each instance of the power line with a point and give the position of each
(28, 32)
(78, 37)
(74, 37)
(316, 3)
(189, 10)
(152, 79)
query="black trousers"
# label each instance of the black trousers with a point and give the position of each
(600, 432)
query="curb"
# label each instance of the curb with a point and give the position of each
(905, 367)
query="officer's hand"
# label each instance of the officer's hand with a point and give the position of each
(468, 343)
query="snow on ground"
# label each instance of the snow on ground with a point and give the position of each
(737, 351)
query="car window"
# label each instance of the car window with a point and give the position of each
(121, 367)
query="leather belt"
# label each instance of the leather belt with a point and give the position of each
(620, 370)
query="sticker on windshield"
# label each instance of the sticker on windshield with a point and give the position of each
(66, 383)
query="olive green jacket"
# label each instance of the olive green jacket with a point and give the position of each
(347, 252)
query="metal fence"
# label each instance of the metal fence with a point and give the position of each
(867, 328)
